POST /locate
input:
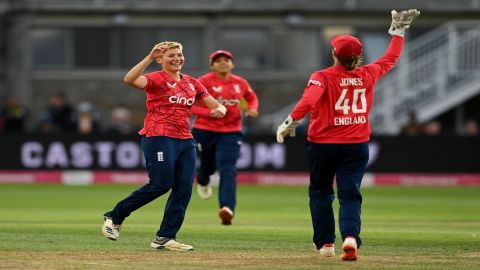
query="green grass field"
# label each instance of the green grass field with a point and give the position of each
(59, 227)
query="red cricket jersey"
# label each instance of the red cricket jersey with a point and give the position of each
(168, 104)
(227, 92)
(339, 101)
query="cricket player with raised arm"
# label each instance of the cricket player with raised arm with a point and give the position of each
(167, 143)
(339, 99)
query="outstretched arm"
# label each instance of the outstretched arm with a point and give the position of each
(400, 22)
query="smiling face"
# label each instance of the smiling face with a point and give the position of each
(172, 60)
(222, 65)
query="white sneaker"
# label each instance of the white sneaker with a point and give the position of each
(226, 215)
(204, 192)
(170, 244)
(349, 249)
(110, 230)
(327, 250)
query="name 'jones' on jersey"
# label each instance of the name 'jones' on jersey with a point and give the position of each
(351, 104)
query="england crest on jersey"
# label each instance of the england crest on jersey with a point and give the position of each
(191, 87)
(236, 87)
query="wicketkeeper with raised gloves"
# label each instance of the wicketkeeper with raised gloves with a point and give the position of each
(339, 100)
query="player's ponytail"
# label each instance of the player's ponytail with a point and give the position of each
(351, 62)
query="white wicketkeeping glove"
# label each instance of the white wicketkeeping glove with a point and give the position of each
(286, 128)
(401, 21)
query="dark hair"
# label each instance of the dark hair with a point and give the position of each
(350, 62)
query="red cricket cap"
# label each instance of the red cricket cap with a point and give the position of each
(219, 53)
(346, 46)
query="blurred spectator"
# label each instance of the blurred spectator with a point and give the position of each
(12, 116)
(60, 113)
(432, 128)
(46, 124)
(121, 121)
(470, 128)
(87, 120)
(412, 127)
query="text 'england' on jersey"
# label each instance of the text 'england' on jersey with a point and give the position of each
(350, 97)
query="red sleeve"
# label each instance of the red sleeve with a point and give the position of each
(251, 98)
(201, 90)
(151, 81)
(388, 60)
(310, 97)
(198, 108)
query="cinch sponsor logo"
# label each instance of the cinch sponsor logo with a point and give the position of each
(228, 102)
(181, 100)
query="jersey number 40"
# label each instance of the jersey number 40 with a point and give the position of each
(343, 103)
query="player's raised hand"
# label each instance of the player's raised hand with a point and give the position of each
(157, 51)
(401, 21)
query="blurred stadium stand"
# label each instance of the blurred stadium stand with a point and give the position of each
(82, 48)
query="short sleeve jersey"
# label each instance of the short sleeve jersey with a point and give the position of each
(339, 101)
(227, 92)
(168, 104)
